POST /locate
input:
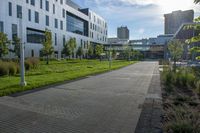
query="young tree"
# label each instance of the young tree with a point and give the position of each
(4, 42)
(67, 50)
(16, 43)
(79, 52)
(72, 45)
(99, 50)
(90, 51)
(176, 51)
(194, 39)
(127, 51)
(196, 1)
(47, 45)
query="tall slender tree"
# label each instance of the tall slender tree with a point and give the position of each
(16, 43)
(67, 50)
(72, 45)
(79, 52)
(176, 51)
(99, 50)
(47, 45)
(90, 51)
(4, 42)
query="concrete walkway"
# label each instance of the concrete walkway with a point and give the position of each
(106, 103)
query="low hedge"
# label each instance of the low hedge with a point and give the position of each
(8, 68)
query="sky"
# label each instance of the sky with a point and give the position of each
(144, 18)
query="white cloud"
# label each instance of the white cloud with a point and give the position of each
(147, 14)
(141, 31)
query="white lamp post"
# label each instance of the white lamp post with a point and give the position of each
(22, 68)
(110, 58)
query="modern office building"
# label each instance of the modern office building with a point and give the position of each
(175, 19)
(123, 32)
(64, 18)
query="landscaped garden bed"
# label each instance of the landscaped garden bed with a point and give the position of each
(181, 103)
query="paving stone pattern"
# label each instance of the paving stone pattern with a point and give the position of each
(151, 115)
(106, 103)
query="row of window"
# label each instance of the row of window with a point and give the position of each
(97, 28)
(99, 37)
(99, 21)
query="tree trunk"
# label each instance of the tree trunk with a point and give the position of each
(47, 60)
(174, 65)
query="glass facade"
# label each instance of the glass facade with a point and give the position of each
(35, 36)
(76, 25)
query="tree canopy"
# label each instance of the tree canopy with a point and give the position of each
(176, 50)
(47, 45)
(4, 42)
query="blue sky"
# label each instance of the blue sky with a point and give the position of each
(144, 18)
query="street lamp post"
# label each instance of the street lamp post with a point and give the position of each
(110, 58)
(22, 68)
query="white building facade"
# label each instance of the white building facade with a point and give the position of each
(63, 18)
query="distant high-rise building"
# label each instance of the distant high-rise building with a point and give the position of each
(175, 19)
(123, 32)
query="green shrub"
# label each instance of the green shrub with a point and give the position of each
(198, 86)
(12, 67)
(181, 127)
(3, 69)
(27, 65)
(8, 68)
(31, 63)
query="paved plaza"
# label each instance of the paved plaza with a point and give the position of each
(106, 103)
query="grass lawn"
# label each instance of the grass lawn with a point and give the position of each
(55, 72)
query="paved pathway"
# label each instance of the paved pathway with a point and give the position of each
(106, 103)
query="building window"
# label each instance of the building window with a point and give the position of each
(41, 4)
(61, 25)
(56, 23)
(27, 1)
(10, 8)
(64, 40)
(36, 17)
(14, 31)
(54, 9)
(76, 24)
(32, 53)
(47, 5)
(61, 2)
(29, 14)
(1, 27)
(33, 2)
(47, 20)
(63, 13)
(34, 36)
(55, 39)
(81, 43)
(19, 11)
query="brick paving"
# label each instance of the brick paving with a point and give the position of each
(151, 115)
(106, 103)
